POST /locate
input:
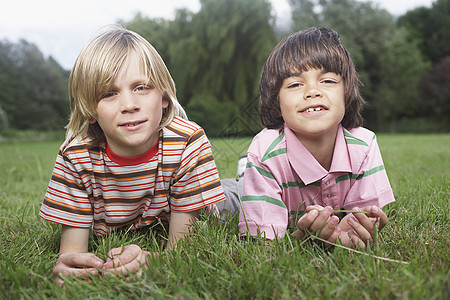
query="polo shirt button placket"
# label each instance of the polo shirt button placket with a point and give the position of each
(326, 191)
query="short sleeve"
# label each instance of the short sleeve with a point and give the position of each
(370, 184)
(196, 183)
(66, 200)
(263, 212)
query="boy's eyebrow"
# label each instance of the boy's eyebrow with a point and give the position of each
(142, 81)
(296, 74)
(138, 81)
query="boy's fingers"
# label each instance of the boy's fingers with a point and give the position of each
(80, 260)
(307, 219)
(329, 228)
(377, 214)
(131, 267)
(316, 219)
(127, 255)
(314, 207)
(380, 215)
(356, 241)
(330, 237)
(60, 272)
(321, 219)
(364, 233)
(115, 251)
(122, 270)
(78, 272)
(116, 257)
(334, 236)
(76, 265)
(364, 219)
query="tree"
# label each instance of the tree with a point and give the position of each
(215, 57)
(9, 82)
(429, 28)
(155, 31)
(240, 35)
(304, 14)
(402, 68)
(436, 99)
(3, 120)
(34, 93)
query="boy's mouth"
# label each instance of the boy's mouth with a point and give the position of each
(132, 124)
(315, 108)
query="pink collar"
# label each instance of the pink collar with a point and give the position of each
(306, 166)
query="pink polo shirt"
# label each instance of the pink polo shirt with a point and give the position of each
(282, 178)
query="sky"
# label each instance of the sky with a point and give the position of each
(60, 28)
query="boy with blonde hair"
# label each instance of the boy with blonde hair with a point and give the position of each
(130, 158)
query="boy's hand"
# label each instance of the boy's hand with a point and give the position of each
(77, 265)
(125, 260)
(318, 218)
(358, 228)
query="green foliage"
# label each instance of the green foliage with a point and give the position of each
(4, 124)
(429, 28)
(34, 93)
(210, 112)
(215, 263)
(399, 93)
(215, 57)
(436, 100)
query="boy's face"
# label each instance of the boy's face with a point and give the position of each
(130, 113)
(312, 104)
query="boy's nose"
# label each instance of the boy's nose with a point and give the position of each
(129, 104)
(312, 93)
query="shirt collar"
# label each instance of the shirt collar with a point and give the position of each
(341, 157)
(306, 166)
(133, 160)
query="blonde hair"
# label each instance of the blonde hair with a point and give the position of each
(97, 66)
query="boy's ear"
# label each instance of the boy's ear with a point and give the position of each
(165, 103)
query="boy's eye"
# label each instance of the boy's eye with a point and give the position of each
(108, 95)
(293, 85)
(142, 88)
(329, 81)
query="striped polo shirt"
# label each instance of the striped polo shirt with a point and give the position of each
(282, 178)
(94, 187)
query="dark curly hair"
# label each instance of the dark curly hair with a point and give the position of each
(314, 48)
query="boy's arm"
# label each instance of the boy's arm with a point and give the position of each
(73, 258)
(180, 225)
(74, 239)
(263, 212)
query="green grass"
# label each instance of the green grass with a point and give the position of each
(216, 264)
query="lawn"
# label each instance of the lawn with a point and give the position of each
(412, 260)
